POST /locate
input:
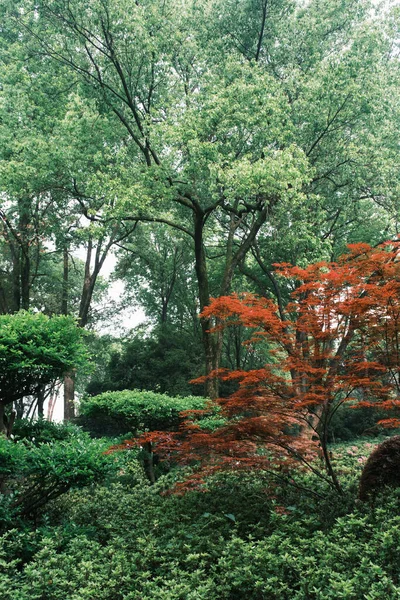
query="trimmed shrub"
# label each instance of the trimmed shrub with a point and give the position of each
(114, 413)
(381, 469)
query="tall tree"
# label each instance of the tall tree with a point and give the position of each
(209, 156)
(230, 122)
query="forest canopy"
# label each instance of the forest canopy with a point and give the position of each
(199, 144)
(199, 263)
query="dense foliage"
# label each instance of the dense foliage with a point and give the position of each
(124, 541)
(37, 469)
(36, 350)
(203, 143)
(336, 342)
(155, 157)
(134, 411)
(165, 362)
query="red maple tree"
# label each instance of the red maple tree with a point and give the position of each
(337, 341)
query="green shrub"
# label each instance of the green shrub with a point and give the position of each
(31, 475)
(132, 411)
(43, 431)
(132, 544)
(124, 540)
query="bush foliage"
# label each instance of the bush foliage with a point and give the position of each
(129, 542)
(35, 471)
(134, 410)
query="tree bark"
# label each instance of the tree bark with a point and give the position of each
(69, 396)
(209, 343)
(3, 425)
(65, 287)
(6, 423)
(148, 463)
(40, 401)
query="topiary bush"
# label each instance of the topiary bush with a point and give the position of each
(381, 469)
(114, 413)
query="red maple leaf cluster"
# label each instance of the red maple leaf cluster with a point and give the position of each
(336, 341)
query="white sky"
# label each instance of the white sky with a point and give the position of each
(123, 322)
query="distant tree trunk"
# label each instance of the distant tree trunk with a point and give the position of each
(19, 408)
(148, 462)
(40, 401)
(6, 423)
(16, 277)
(25, 260)
(69, 394)
(64, 296)
(210, 347)
(3, 424)
(54, 390)
(69, 379)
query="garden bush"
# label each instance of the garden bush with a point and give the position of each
(42, 431)
(248, 537)
(32, 474)
(115, 543)
(114, 413)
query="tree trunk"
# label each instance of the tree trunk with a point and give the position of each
(3, 424)
(19, 408)
(148, 463)
(211, 349)
(65, 289)
(69, 396)
(52, 402)
(25, 262)
(16, 278)
(6, 423)
(40, 401)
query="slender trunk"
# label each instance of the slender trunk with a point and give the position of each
(89, 282)
(69, 396)
(10, 423)
(3, 301)
(86, 298)
(164, 310)
(325, 451)
(210, 347)
(52, 402)
(3, 419)
(6, 423)
(16, 278)
(69, 380)
(64, 296)
(25, 281)
(19, 408)
(40, 401)
(25, 262)
(148, 462)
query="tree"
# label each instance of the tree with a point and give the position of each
(336, 342)
(129, 64)
(35, 350)
(232, 123)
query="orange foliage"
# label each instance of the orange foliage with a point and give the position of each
(336, 341)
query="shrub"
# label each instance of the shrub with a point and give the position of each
(35, 350)
(114, 413)
(382, 469)
(31, 475)
(43, 431)
(147, 547)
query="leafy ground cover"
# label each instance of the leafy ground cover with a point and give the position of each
(121, 539)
